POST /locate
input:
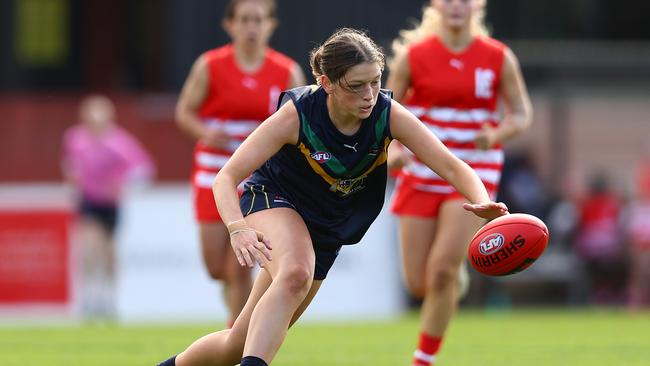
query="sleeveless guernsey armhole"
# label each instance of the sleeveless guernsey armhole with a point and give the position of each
(295, 95)
(388, 94)
(285, 96)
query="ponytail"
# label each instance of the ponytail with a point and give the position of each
(315, 62)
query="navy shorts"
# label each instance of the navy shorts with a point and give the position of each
(105, 214)
(257, 197)
(324, 261)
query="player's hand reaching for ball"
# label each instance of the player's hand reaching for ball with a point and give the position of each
(489, 210)
(250, 246)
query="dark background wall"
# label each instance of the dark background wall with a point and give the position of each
(150, 44)
(53, 52)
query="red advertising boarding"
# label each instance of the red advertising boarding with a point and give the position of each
(34, 257)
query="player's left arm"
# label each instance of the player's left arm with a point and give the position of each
(399, 78)
(407, 129)
(518, 113)
(296, 76)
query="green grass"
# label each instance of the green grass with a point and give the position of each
(522, 337)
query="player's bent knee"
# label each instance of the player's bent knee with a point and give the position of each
(415, 286)
(441, 278)
(216, 272)
(235, 346)
(297, 278)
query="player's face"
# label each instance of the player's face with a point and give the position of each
(251, 25)
(97, 113)
(356, 92)
(455, 14)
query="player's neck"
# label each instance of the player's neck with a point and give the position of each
(456, 40)
(250, 59)
(347, 124)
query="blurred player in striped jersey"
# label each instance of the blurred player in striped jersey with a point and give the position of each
(450, 74)
(227, 94)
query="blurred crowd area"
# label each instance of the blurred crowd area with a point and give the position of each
(599, 252)
(584, 166)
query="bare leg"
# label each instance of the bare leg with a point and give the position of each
(107, 296)
(260, 330)
(222, 265)
(98, 267)
(225, 347)
(639, 280)
(416, 238)
(456, 227)
(292, 269)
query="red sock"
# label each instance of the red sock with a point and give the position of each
(428, 347)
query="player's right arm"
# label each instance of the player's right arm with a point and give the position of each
(193, 94)
(279, 129)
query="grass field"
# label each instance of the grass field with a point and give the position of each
(522, 337)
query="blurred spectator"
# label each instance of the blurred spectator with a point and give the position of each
(562, 221)
(99, 160)
(563, 216)
(637, 229)
(521, 188)
(599, 242)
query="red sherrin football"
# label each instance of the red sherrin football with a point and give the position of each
(508, 244)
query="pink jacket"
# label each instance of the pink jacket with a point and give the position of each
(101, 166)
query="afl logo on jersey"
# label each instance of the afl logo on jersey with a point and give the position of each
(321, 156)
(491, 244)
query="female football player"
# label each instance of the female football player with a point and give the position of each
(319, 181)
(450, 74)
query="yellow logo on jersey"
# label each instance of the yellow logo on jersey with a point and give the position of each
(345, 187)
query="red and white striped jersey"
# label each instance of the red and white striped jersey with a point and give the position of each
(454, 95)
(236, 102)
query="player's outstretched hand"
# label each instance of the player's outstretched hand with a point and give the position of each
(490, 210)
(250, 247)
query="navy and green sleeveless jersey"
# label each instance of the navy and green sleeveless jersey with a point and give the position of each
(336, 182)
